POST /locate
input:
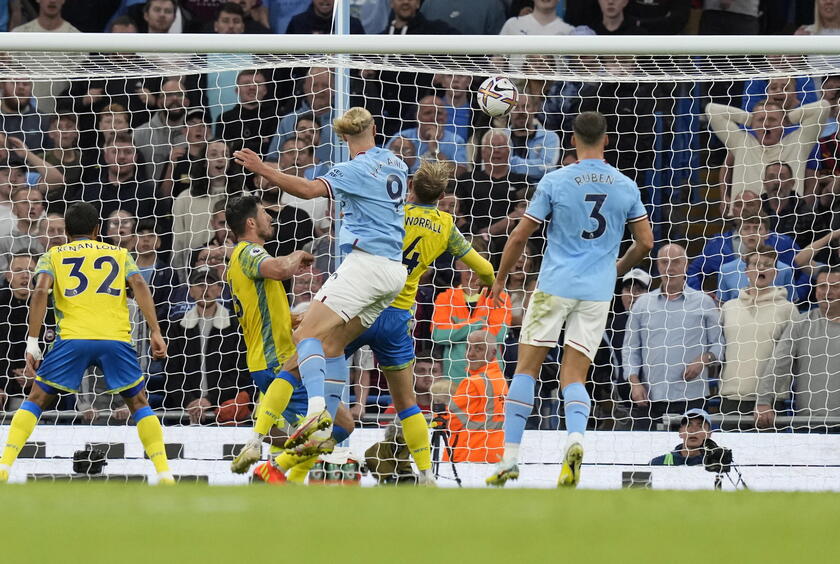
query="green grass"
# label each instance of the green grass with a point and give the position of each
(117, 523)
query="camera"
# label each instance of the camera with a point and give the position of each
(716, 459)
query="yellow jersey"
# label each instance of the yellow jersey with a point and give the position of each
(262, 308)
(429, 233)
(89, 289)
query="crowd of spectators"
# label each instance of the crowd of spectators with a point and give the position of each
(743, 321)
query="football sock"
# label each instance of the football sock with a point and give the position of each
(312, 368)
(416, 433)
(23, 423)
(272, 404)
(297, 473)
(286, 460)
(518, 406)
(339, 434)
(151, 435)
(337, 375)
(576, 405)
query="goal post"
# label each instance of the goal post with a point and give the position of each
(733, 142)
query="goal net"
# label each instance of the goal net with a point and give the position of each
(736, 312)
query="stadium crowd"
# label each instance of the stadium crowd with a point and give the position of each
(744, 316)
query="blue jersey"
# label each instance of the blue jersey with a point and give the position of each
(370, 193)
(589, 204)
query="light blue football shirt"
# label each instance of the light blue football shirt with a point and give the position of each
(588, 204)
(370, 194)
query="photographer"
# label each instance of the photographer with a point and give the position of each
(695, 433)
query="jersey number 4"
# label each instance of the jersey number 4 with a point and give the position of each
(411, 258)
(598, 202)
(100, 263)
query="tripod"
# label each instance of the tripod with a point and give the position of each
(440, 440)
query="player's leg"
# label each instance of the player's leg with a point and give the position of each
(336, 351)
(23, 423)
(415, 428)
(281, 393)
(541, 327)
(60, 371)
(118, 361)
(150, 431)
(319, 321)
(583, 336)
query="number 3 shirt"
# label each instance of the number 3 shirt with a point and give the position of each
(370, 195)
(89, 283)
(588, 204)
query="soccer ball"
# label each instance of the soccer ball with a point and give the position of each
(497, 96)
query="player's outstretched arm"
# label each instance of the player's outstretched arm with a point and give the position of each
(514, 248)
(143, 297)
(37, 311)
(641, 247)
(294, 185)
(283, 268)
(481, 266)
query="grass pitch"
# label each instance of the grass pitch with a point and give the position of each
(118, 523)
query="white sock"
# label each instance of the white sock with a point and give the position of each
(316, 405)
(256, 438)
(165, 476)
(511, 454)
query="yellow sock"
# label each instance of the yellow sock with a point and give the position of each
(23, 423)
(416, 433)
(286, 460)
(151, 435)
(272, 404)
(297, 473)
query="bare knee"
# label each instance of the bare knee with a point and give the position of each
(40, 397)
(137, 401)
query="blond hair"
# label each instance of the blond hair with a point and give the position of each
(431, 179)
(355, 121)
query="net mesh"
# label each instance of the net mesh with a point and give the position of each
(712, 142)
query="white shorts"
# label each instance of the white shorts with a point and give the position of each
(363, 286)
(546, 315)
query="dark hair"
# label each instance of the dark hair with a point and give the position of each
(238, 210)
(218, 206)
(590, 127)
(81, 218)
(124, 21)
(148, 4)
(145, 225)
(231, 8)
(828, 270)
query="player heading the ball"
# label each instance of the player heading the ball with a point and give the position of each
(88, 280)
(587, 205)
(369, 191)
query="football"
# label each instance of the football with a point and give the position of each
(497, 96)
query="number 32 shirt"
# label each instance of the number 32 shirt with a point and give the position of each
(370, 195)
(89, 289)
(588, 204)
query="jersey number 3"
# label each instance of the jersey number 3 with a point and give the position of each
(100, 263)
(597, 201)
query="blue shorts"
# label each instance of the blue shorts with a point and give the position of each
(67, 361)
(298, 403)
(389, 338)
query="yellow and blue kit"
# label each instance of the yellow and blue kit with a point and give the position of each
(93, 328)
(263, 311)
(429, 233)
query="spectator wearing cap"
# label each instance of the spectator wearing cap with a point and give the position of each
(695, 430)
(752, 324)
(673, 337)
(205, 367)
(633, 284)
